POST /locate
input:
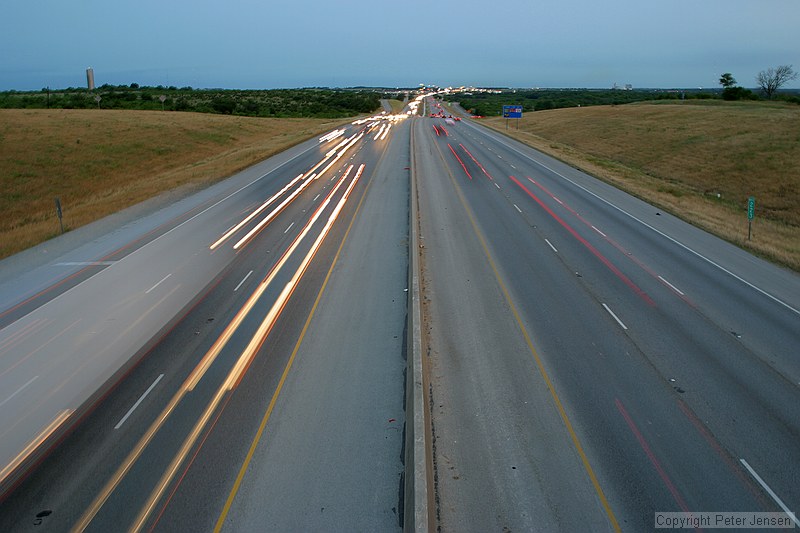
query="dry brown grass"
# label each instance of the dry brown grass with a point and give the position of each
(700, 161)
(99, 162)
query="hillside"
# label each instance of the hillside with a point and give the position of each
(98, 162)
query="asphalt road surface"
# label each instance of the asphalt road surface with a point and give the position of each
(253, 335)
(594, 361)
(590, 360)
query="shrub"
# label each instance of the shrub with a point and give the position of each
(223, 105)
(736, 93)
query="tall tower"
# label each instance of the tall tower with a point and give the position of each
(90, 78)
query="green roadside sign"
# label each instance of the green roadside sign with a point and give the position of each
(751, 213)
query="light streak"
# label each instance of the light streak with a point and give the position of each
(476, 162)
(269, 320)
(380, 130)
(350, 144)
(332, 151)
(231, 328)
(459, 160)
(60, 418)
(191, 381)
(335, 134)
(255, 213)
(291, 197)
(248, 354)
(275, 212)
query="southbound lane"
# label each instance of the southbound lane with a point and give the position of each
(110, 472)
(72, 342)
(669, 378)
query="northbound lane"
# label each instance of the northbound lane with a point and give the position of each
(590, 366)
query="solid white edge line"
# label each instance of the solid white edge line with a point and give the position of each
(18, 390)
(671, 286)
(551, 245)
(770, 492)
(140, 400)
(642, 222)
(157, 284)
(615, 317)
(242, 282)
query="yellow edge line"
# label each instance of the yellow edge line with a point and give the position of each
(561, 411)
(240, 477)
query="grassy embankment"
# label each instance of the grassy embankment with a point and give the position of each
(698, 160)
(397, 106)
(99, 162)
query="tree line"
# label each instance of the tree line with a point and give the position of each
(283, 103)
(770, 82)
(491, 104)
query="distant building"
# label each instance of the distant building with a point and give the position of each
(90, 78)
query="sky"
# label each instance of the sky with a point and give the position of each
(260, 44)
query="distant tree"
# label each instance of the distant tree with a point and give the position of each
(727, 80)
(738, 93)
(223, 105)
(772, 79)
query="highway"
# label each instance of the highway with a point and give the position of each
(200, 326)
(588, 360)
(593, 360)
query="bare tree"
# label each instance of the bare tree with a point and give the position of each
(772, 79)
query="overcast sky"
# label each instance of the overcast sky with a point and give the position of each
(300, 43)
